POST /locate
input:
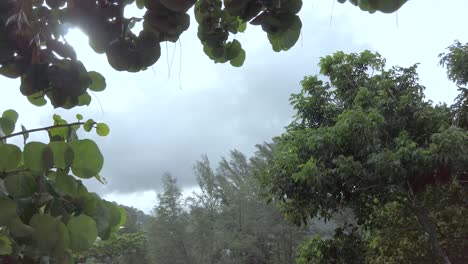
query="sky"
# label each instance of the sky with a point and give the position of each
(165, 118)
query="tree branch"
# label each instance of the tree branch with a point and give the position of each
(40, 129)
(423, 218)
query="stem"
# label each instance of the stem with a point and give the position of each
(40, 129)
(422, 215)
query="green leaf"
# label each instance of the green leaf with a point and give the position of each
(37, 99)
(239, 60)
(5, 246)
(8, 211)
(82, 232)
(140, 4)
(19, 229)
(98, 81)
(79, 117)
(45, 235)
(59, 133)
(66, 184)
(38, 157)
(7, 126)
(11, 114)
(63, 154)
(88, 125)
(84, 99)
(10, 157)
(25, 134)
(20, 185)
(88, 159)
(102, 129)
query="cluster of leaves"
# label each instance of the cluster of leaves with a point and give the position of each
(33, 42)
(384, 6)
(46, 212)
(365, 139)
(346, 246)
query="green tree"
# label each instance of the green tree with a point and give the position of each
(367, 139)
(167, 236)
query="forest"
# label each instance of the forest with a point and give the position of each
(367, 170)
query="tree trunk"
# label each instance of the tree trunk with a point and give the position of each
(422, 215)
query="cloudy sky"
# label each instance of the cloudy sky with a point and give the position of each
(165, 118)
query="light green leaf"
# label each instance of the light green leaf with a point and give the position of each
(63, 154)
(98, 81)
(88, 160)
(239, 60)
(20, 185)
(7, 125)
(37, 100)
(88, 125)
(79, 117)
(84, 99)
(11, 114)
(45, 235)
(10, 157)
(8, 210)
(102, 129)
(5, 246)
(38, 157)
(82, 232)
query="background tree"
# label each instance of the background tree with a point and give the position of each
(167, 235)
(367, 139)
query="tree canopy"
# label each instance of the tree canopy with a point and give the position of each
(33, 42)
(367, 140)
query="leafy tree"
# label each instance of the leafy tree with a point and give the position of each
(167, 238)
(47, 214)
(365, 140)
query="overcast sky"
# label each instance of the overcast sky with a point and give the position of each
(164, 122)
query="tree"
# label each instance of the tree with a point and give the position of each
(366, 140)
(166, 232)
(47, 214)
(33, 42)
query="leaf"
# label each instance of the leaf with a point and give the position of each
(66, 184)
(61, 132)
(98, 83)
(8, 211)
(11, 114)
(239, 60)
(25, 134)
(62, 154)
(84, 99)
(82, 232)
(102, 129)
(140, 4)
(5, 246)
(88, 125)
(10, 157)
(19, 229)
(21, 185)
(37, 99)
(7, 126)
(88, 159)
(38, 157)
(79, 117)
(45, 235)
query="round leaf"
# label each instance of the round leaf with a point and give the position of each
(88, 125)
(102, 129)
(20, 185)
(45, 235)
(7, 125)
(79, 117)
(63, 154)
(11, 114)
(82, 232)
(10, 157)
(38, 156)
(8, 211)
(98, 81)
(88, 160)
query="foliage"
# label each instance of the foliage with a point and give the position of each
(33, 45)
(346, 246)
(384, 6)
(122, 248)
(363, 140)
(456, 61)
(46, 211)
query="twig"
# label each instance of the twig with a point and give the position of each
(41, 129)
